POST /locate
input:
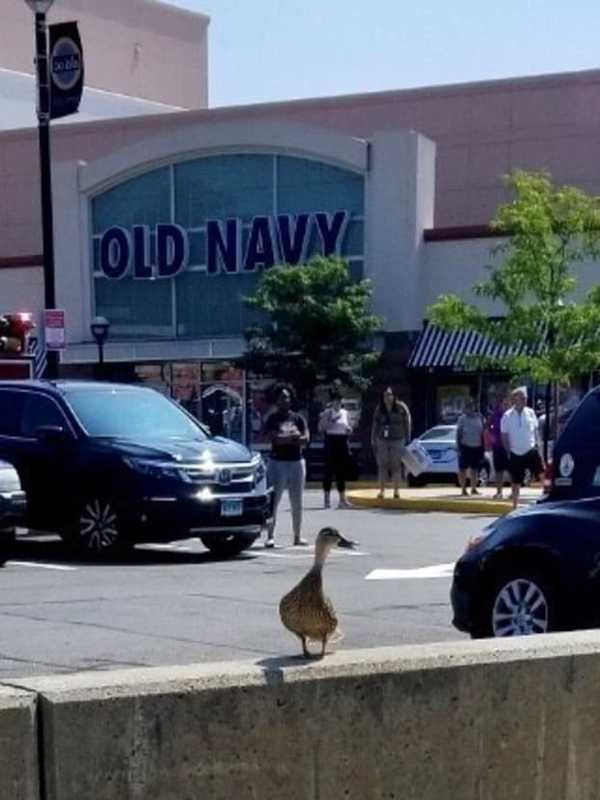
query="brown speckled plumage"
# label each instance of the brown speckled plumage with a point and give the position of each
(305, 610)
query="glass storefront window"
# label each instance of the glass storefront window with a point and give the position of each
(221, 187)
(136, 308)
(237, 188)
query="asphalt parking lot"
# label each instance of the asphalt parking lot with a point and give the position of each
(175, 604)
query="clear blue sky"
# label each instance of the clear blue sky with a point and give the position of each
(263, 50)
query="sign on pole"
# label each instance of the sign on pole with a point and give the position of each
(66, 69)
(54, 329)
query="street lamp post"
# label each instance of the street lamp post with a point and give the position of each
(99, 328)
(40, 9)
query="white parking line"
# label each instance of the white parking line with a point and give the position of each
(435, 571)
(37, 565)
(305, 552)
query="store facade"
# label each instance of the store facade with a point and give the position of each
(164, 224)
(172, 234)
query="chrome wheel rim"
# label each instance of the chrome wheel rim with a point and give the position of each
(520, 609)
(98, 525)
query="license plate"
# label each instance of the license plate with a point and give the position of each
(232, 508)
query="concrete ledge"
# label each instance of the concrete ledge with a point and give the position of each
(465, 720)
(18, 745)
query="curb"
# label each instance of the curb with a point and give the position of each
(455, 506)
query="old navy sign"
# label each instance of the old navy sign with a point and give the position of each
(271, 240)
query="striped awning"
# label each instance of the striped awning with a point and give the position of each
(438, 348)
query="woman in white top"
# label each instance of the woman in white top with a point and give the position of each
(335, 424)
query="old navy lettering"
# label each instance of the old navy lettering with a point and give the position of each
(163, 252)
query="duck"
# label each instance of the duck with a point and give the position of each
(305, 610)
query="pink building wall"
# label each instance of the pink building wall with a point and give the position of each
(482, 131)
(140, 48)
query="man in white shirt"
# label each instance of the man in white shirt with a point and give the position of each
(520, 437)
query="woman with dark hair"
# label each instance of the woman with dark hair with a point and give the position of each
(390, 433)
(288, 433)
(334, 423)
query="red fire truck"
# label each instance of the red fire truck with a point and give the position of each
(16, 360)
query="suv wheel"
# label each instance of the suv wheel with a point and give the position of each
(520, 604)
(228, 545)
(96, 529)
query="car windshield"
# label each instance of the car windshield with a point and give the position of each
(444, 433)
(126, 413)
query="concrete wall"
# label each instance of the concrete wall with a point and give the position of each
(140, 48)
(19, 768)
(454, 267)
(493, 720)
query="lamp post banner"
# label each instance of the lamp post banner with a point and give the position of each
(66, 69)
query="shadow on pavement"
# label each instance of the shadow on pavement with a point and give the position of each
(274, 667)
(47, 548)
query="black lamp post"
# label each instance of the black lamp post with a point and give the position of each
(99, 328)
(40, 9)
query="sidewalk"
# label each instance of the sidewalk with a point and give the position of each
(440, 498)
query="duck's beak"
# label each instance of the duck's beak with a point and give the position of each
(346, 543)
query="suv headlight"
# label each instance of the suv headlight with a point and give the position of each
(475, 541)
(156, 469)
(261, 471)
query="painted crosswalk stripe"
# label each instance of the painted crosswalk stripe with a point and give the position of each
(305, 552)
(435, 571)
(36, 565)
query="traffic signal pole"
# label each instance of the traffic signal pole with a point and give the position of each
(43, 113)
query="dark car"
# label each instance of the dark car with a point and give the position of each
(109, 464)
(575, 469)
(533, 571)
(12, 508)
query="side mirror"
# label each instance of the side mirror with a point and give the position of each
(53, 434)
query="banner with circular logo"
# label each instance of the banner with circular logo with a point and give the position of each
(66, 69)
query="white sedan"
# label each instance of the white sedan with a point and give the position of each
(440, 444)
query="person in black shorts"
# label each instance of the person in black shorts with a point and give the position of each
(469, 441)
(520, 435)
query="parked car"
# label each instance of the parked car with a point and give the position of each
(440, 444)
(108, 464)
(12, 508)
(533, 571)
(575, 468)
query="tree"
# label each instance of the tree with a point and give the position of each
(549, 230)
(318, 326)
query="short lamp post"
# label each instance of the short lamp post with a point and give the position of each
(99, 328)
(40, 8)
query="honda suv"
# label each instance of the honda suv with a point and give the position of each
(111, 464)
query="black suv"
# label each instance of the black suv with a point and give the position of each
(109, 464)
(575, 469)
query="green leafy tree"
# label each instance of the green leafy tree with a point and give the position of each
(549, 230)
(318, 327)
